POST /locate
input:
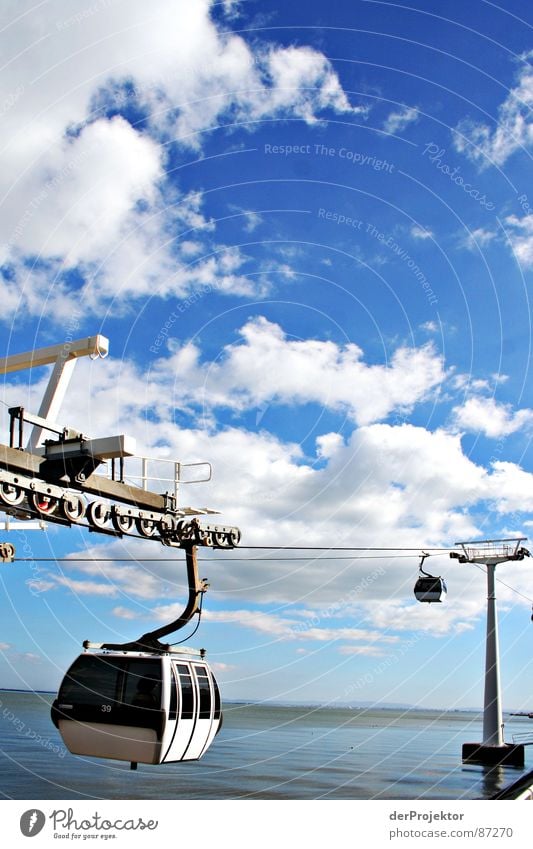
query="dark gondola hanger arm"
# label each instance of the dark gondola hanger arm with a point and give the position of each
(423, 557)
(149, 642)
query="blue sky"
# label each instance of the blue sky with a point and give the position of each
(308, 234)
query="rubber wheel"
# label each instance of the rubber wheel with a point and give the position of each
(146, 527)
(234, 536)
(45, 505)
(97, 514)
(221, 539)
(121, 523)
(166, 525)
(73, 508)
(11, 494)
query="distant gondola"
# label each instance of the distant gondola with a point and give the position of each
(429, 588)
(138, 706)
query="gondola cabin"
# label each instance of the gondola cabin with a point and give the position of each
(138, 707)
(430, 589)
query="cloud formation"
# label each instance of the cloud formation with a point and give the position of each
(400, 119)
(520, 237)
(84, 185)
(513, 129)
(486, 415)
(266, 366)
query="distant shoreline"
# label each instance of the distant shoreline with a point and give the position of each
(16, 690)
(337, 706)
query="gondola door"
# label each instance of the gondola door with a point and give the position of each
(182, 714)
(216, 711)
(204, 713)
(194, 712)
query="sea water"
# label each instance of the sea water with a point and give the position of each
(265, 751)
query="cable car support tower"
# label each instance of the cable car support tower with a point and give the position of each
(493, 750)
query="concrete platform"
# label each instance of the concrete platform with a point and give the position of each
(508, 754)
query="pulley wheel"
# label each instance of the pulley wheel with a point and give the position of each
(11, 494)
(166, 525)
(220, 539)
(234, 536)
(73, 508)
(202, 536)
(45, 505)
(184, 529)
(122, 523)
(146, 527)
(97, 514)
(7, 552)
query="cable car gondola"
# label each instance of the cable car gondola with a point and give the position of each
(139, 706)
(429, 588)
(144, 701)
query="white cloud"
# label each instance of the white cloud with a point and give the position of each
(400, 119)
(378, 620)
(267, 366)
(514, 128)
(253, 220)
(145, 267)
(124, 613)
(479, 238)
(421, 233)
(86, 587)
(191, 248)
(93, 183)
(218, 667)
(40, 585)
(374, 641)
(80, 191)
(280, 628)
(486, 415)
(423, 475)
(5, 646)
(303, 82)
(231, 8)
(511, 488)
(172, 54)
(31, 656)
(456, 614)
(366, 651)
(283, 628)
(138, 259)
(328, 444)
(222, 75)
(520, 236)
(464, 382)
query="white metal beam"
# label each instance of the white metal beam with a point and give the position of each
(93, 346)
(8, 524)
(64, 357)
(105, 448)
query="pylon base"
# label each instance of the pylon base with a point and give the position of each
(509, 754)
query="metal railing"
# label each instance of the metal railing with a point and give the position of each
(526, 738)
(143, 471)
